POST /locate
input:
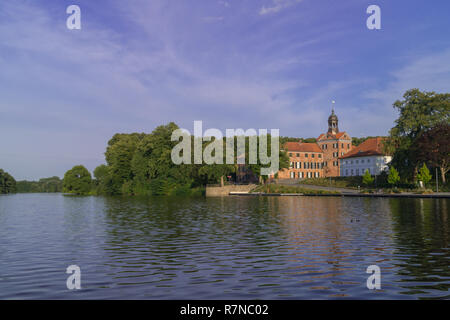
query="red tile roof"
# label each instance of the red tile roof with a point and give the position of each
(370, 147)
(302, 147)
(333, 136)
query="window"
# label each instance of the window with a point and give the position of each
(306, 155)
(351, 163)
(300, 175)
(357, 172)
(357, 161)
(348, 146)
(290, 154)
(346, 172)
(312, 156)
(292, 175)
(291, 164)
(320, 156)
(298, 154)
(304, 165)
(352, 171)
(368, 160)
(342, 146)
(362, 161)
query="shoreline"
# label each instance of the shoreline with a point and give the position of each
(363, 195)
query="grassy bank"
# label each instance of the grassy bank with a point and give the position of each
(380, 183)
(276, 188)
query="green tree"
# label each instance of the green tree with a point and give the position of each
(424, 175)
(418, 112)
(52, 184)
(367, 178)
(393, 177)
(77, 180)
(101, 174)
(119, 153)
(7, 183)
(433, 147)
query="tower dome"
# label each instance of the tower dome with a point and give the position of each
(333, 123)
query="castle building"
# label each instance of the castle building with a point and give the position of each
(305, 161)
(368, 156)
(334, 145)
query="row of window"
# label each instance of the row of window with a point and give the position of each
(335, 146)
(336, 154)
(301, 175)
(356, 161)
(306, 165)
(357, 171)
(306, 155)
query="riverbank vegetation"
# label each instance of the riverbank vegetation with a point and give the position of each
(421, 135)
(277, 188)
(44, 185)
(141, 164)
(7, 183)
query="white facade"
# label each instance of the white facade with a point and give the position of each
(357, 166)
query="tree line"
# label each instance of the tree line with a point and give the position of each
(44, 185)
(141, 164)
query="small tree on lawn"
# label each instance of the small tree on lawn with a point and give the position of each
(367, 178)
(424, 175)
(393, 177)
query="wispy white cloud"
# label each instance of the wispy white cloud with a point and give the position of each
(277, 5)
(224, 3)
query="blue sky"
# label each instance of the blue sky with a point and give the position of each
(231, 63)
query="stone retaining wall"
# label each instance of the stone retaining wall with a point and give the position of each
(225, 190)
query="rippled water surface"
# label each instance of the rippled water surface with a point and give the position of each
(223, 248)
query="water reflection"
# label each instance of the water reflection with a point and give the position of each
(219, 248)
(422, 248)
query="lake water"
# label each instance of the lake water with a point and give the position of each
(223, 248)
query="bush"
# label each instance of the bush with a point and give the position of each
(424, 175)
(367, 179)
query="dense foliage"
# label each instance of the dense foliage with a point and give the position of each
(420, 113)
(433, 147)
(7, 183)
(77, 181)
(52, 184)
(141, 164)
